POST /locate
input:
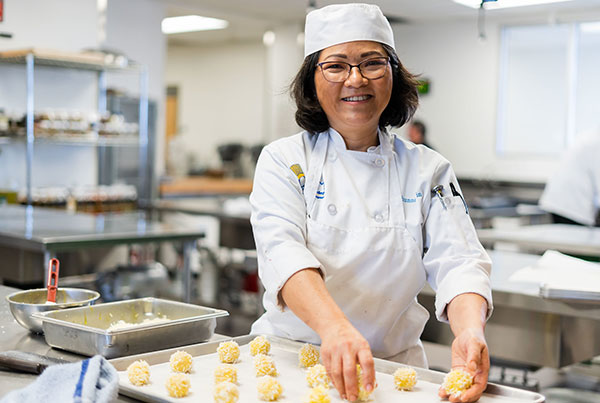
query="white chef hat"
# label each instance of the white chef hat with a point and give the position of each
(340, 23)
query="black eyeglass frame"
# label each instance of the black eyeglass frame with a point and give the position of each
(387, 59)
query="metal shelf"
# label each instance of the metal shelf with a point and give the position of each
(88, 139)
(91, 61)
(65, 60)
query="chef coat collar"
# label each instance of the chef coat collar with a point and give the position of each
(340, 144)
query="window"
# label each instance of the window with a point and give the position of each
(548, 87)
(587, 116)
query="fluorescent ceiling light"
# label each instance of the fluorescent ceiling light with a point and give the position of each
(590, 27)
(495, 5)
(191, 23)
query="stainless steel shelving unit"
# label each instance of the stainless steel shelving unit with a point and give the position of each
(33, 58)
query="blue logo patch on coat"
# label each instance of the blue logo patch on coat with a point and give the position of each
(412, 199)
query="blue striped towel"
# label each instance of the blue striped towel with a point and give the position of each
(93, 380)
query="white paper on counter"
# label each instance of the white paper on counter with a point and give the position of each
(558, 270)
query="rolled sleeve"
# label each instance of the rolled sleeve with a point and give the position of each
(283, 261)
(279, 221)
(455, 261)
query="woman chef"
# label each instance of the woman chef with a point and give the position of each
(346, 224)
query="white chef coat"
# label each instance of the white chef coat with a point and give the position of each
(369, 222)
(574, 190)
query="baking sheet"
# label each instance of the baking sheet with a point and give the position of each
(290, 375)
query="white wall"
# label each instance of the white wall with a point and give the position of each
(133, 27)
(284, 57)
(221, 96)
(460, 110)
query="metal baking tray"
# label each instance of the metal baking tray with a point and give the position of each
(551, 292)
(284, 353)
(85, 330)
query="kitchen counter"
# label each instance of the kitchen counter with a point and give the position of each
(201, 185)
(31, 236)
(15, 337)
(526, 328)
(565, 238)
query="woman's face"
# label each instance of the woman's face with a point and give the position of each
(357, 103)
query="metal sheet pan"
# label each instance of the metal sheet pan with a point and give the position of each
(284, 353)
(85, 330)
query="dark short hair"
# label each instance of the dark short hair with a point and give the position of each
(420, 126)
(311, 117)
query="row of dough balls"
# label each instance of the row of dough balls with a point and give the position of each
(226, 390)
(178, 384)
(229, 351)
(268, 388)
(319, 382)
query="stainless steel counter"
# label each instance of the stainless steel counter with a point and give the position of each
(33, 230)
(235, 230)
(526, 328)
(15, 337)
(39, 229)
(564, 238)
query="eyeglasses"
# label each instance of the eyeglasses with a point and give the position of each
(371, 69)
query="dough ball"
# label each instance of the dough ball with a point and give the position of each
(226, 392)
(264, 365)
(225, 373)
(363, 395)
(138, 372)
(260, 345)
(229, 352)
(405, 378)
(181, 361)
(456, 382)
(308, 356)
(318, 395)
(178, 385)
(269, 389)
(317, 375)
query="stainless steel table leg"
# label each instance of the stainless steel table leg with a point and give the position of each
(188, 246)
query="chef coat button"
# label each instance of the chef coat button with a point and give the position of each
(378, 217)
(379, 162)
(332, 209)
(333, 157)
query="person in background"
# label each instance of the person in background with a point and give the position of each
(572, 193)
(416, 133)
(346, 223)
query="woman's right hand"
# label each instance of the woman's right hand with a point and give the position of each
(342, 347)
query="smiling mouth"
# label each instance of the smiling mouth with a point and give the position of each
(357, 98)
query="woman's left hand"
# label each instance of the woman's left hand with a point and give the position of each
(470, 352)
